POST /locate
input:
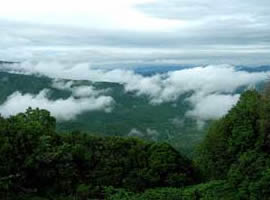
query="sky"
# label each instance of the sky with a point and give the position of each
(136, 32)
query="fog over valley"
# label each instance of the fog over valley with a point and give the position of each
(148, 68)
(208, 86)
(135, 100)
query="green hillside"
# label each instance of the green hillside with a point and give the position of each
(232, 163)
(166, 120)
(234, 158)
(36, 160)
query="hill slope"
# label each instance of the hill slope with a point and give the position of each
(131, 115)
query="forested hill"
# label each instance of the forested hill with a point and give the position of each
(131, 115)
(36, 160)
(233, 161)
(108, 109)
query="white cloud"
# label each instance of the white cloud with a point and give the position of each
(212, 83)
(177, 122)
(85, 13)
(140, 32)
(191, 31)
(203, 81)
(152, 134)
(149, 133)
(78, 91)
(212, 106)
(62, 109)
(135, 133)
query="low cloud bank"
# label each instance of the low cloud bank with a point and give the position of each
(62, 109)
(213, 87)
(212, 106)
(149, 133)
(78, 91)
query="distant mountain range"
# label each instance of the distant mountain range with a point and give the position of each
(7, 62)
(149, 70)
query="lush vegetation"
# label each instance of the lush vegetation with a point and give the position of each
(214, 190)
(237, 147)
(234, 158)
(35, 160)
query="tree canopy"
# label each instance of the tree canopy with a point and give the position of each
(34, 159)
(233, 161)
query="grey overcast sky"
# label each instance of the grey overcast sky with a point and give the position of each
(128, 32)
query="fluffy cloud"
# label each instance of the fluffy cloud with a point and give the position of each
(177, 122)
(212, 106)
(78, 91)
(62, 109)
(149, 133)
(135, 133)
(210, 86)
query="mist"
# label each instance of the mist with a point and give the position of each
(84, 100)
(210, 86)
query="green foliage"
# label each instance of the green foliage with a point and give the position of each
(37, 160)
(38, 163)
(237, 147)
(232, 135)
(214, 190)
(83, 191)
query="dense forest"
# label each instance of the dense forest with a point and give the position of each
(233, 161)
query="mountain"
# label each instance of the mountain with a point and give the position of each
(263, 68)
(233, 161)
(6, 62)
(131, 114)
(36, 160)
